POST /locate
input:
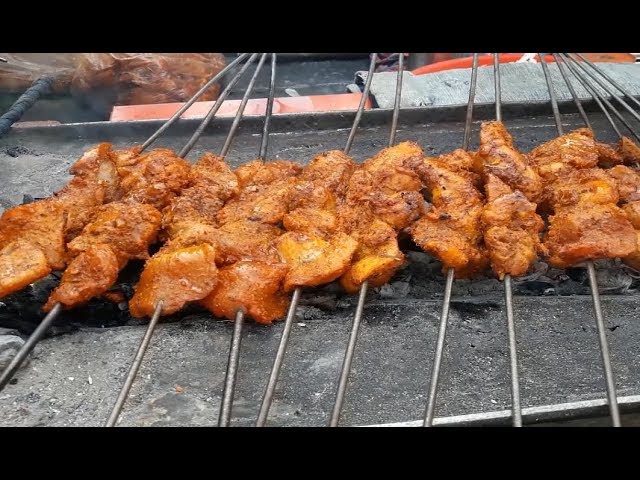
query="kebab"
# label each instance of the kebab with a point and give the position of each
(586, 223)
(121, 230)
(252, 273)
(33, 236)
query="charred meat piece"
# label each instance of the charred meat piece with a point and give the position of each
(184, 270)
(154, 178)
(21, 263)
(175, 277)
(88, 275)
(587, 224)
(564, 154)
(450, 230)
(126, 229)
(499, 157)
(511, 229)
(589, 232)
(253, 287)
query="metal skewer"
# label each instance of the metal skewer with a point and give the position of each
(508, 296)
(226, 406)
(444, 316)
(122, 397)
(595, 294)
(357, 319)
(46, 322)
(267, 398)
(600, 99)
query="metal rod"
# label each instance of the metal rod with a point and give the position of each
(552, 95)
(604, 347)
(191, 101)
(496, 86)
(231, 375)
(243, 104)
(267, 398)
(513, 354)
(28, 346)
(442, 332)
(357, 320)
(363, 101)
(599, 99)
(396, 103)
(604, 86)
(444, 316)
(348, 357)
(574, 94)
(232, 372)
(214, 109)
(530, 415)
(264, 144)
(472, 97)
(611, 80)
(135, 366)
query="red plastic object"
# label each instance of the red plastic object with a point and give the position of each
(467, 62)
(312, 103)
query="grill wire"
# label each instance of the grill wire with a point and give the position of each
(574, 64)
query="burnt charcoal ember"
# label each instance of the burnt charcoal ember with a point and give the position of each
(9, 346)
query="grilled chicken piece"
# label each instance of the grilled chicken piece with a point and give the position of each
(154, 178)
(252, 273)
(175, 277)
(577, 234)
(95, 182)
(587, 224)
(564, 154)
(254, 287)
(184, 270)
(39, 223)
(126, 229)
(313, 261)
(389, 185)
(628, 182)
(374, 264)
(21, 263)
(264, 195)
(88, 275)
(450, 230)
(247, 240)
(45, 226)
(511, 229)
(383, 198)
(498, 156)
(629, 150)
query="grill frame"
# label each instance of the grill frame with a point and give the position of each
(370, 120)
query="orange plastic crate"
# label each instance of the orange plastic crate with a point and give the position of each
(312, 103)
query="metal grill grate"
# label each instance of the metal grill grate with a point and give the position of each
(570, 66)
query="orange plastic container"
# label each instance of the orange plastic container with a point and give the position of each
(258, 106)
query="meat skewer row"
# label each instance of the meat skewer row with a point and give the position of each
(133, 174)
(511, 226)
(184, 269)
(122, 230)
(251, 272)
(586, 223)
(33, 236)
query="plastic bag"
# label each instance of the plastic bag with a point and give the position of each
(22, 69)
(106, 79)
